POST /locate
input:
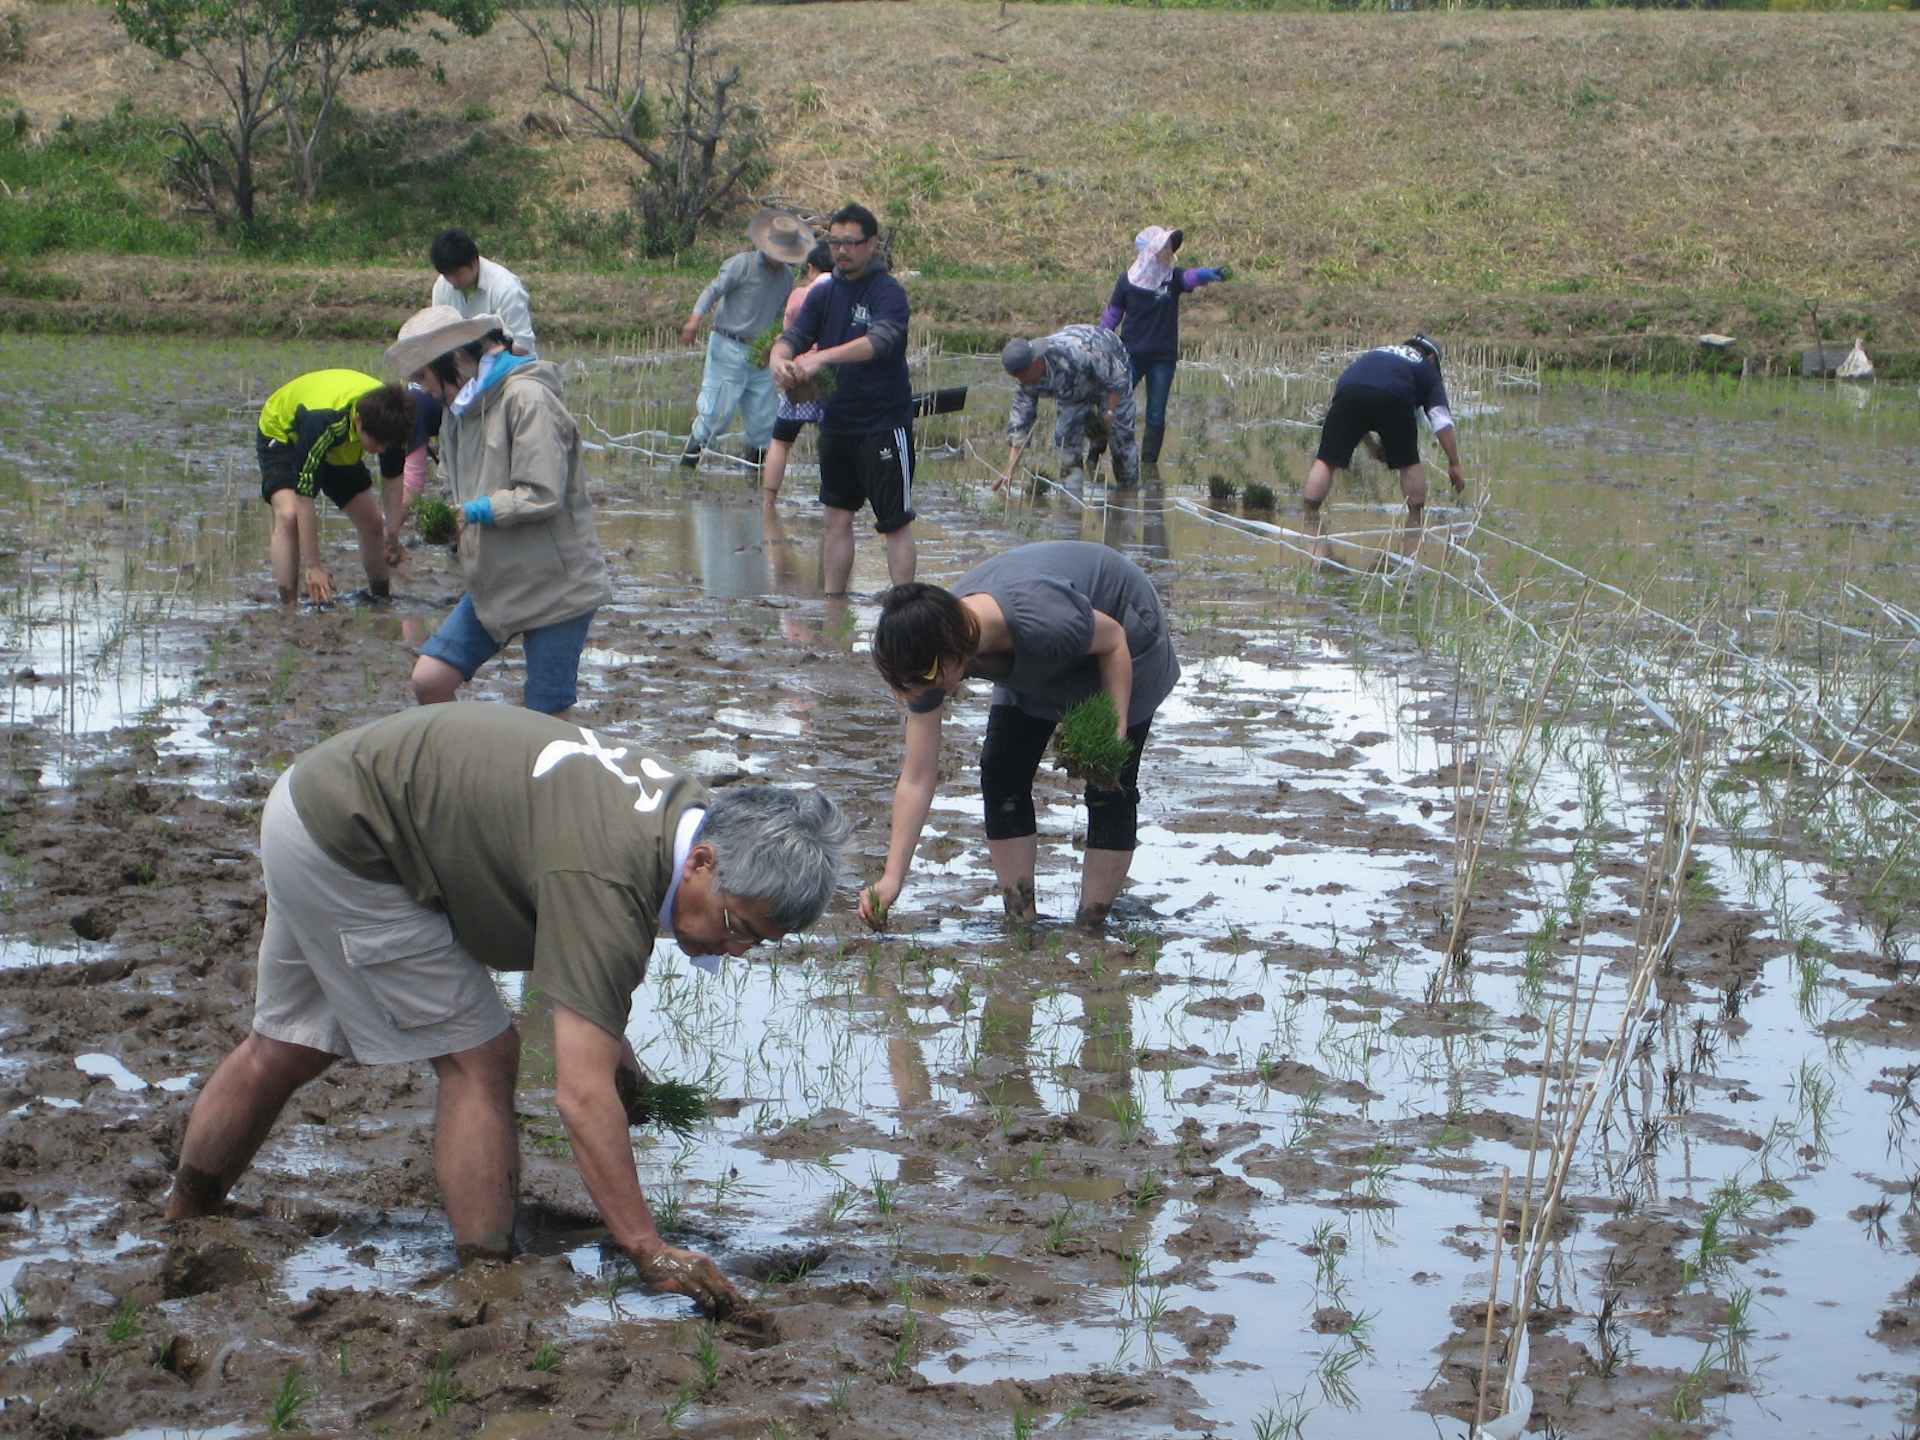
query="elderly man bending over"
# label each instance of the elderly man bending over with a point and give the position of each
(1085, 370)
(408, 858)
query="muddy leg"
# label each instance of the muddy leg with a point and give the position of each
(371, 526)
(283, 544)
(476, 1148)
(1413, 485)
(231, 1119)
(836, 551)
(901, 557)
(1101, 877)
(1013, 862)
(1319, 483)
(434, 681)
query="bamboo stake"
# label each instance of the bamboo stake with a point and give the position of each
(1493, 1298)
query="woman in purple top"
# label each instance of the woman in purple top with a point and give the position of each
(1145, 309)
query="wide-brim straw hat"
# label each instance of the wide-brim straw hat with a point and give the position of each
(432, 332)
(780, 236)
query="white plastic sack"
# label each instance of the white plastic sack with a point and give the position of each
(1512, 1422)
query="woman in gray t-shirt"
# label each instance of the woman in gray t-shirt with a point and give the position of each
(1051, 624)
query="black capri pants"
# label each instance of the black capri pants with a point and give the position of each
(1011, 754)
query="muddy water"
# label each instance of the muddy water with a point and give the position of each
(1233, 1165)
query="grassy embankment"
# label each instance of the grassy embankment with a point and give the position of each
(1596, 184)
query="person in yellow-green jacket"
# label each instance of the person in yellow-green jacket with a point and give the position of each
(314, 431)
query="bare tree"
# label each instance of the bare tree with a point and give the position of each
(699, 138)
(245, 49)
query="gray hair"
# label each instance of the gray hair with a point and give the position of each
(778, 846)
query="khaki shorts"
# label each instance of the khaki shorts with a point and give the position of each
(355, 967)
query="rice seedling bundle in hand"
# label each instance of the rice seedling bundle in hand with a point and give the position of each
(1089, 746)
(762, 348)
(672, 1105)
(433, 519)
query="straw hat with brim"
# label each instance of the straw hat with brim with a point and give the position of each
(432, 332)
(780, 236)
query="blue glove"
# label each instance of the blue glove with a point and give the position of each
(1223, 272)
(479, 512)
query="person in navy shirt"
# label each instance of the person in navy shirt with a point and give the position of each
(1377, 395)
(1145, 309)
(857, 323)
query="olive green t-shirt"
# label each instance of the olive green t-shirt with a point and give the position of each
(549, 847)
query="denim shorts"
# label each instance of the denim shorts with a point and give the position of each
(553, 654)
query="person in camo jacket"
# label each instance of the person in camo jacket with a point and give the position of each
(1084, 368)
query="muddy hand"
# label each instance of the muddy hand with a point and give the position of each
(689, 1273)
(396, 552)
(319, 585)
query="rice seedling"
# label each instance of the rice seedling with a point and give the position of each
(1128, 1116)
(840, 1395)
(1091, 744)
(125, 1324)
(901, 1360)
(1288, 1422)
(441, 1392)
(675, 1410)
(433, 520)
(706, 1358)
(1257, 497)
(885, 1193)
(1060, 1226)
(1146, 1192)
(675, 1107)
(1221, 490)
(1022, 1425)
(283, 1411)
(841, 1201)
(343, 1361)
(546, 1358)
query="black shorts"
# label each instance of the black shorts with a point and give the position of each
(1010, 756)
(280, 470)
(875, 470)
(1358, 410)
(788, 431)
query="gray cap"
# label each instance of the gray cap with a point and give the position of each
(1018, 355)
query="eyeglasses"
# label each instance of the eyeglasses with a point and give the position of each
(841, 242)
(739, 934)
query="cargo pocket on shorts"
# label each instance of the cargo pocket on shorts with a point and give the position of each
(411, 969)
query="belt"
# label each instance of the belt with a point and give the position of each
(737, 339)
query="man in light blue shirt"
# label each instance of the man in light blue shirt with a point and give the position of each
(746, 297)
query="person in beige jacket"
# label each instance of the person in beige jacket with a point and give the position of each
(511, 453)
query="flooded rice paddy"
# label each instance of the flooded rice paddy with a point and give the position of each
(1541, 904)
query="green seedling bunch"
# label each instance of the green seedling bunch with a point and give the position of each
(433, 519)
(1089, 746)
(761, 352)
(671, 1105)
(879, 910)
(1257, 496)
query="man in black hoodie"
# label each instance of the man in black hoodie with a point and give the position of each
(857, 323)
